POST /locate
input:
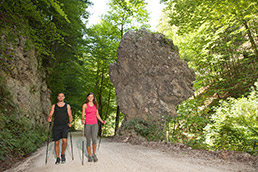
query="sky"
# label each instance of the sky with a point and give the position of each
(100, 7)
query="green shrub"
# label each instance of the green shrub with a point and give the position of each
(234, 125)
(187, 126)
(149, 129)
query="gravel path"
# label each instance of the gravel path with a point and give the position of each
(124, 157)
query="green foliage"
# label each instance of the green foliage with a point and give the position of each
(149, 129)
(66, 71)
(128, 15)
(109, 128)
(18, 136)
(101, 50)
(234, 125)
(32, 19)
(187, 126)
(55, 28)
(217, 40)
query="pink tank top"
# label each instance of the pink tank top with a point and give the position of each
(91, 114)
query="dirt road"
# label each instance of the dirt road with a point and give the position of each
(124, 157)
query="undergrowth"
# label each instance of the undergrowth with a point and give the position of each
(232, 125)
(152, 130)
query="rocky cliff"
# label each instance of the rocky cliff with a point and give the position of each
(25, 79)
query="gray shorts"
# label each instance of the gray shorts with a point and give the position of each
(91, 133)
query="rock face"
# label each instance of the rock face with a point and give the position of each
(149, 77)
(26, 81)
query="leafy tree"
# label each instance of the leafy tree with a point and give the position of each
(31, 19)
(55, 29)
(127, 15)
(123, 16)
(234, 124)
(217, 39)
(65, 70)
(101, 51)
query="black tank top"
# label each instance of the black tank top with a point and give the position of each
(61, 115)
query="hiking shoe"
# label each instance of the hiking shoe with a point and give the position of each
(63, 158)
(89, 159)
(57, 160)
(95, 159)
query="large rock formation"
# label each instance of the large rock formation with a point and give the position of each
(149, 77)
(25, 79)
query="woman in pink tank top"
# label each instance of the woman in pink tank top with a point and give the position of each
(90, 115)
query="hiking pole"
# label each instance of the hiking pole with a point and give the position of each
(49, 125)
(82, 144)
(71, 142)
(100, 138)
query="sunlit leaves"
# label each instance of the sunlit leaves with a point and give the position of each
(234, 125)
(217, 38)
(213, 36)
(126, 15)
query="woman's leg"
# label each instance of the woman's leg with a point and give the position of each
(94, 141)
(88, 137)
(89, 150)
(94, 137)
(94, 147)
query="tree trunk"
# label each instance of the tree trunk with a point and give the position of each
(97, 80)
(122, 30)
(118, 109)
(117, 119)
(254, 47)
(107, 111)
(100, 101)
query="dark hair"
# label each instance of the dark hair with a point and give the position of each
(60, 93)
(94, 99)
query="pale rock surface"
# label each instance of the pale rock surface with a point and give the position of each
(149, 77)
(25, 79)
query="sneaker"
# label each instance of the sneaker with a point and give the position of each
(89, 159)
(57, 160)
(95, 159)
(63, 158)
